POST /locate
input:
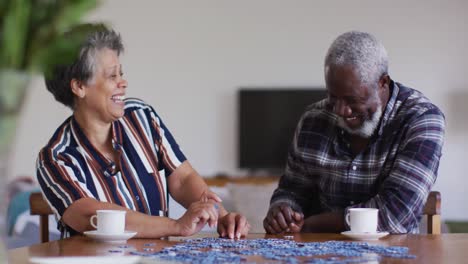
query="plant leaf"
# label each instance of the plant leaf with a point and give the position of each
(64, 49)
(14, 33)
(42, 26)
(72, 12)
(3, 8)
(57, 17)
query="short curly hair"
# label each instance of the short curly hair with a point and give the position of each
(362, 51)
(83, 68)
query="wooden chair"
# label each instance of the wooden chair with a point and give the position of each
(39, 206)
(432, 210)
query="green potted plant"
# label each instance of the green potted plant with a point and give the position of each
(35, 36)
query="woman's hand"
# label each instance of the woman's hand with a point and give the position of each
(208, 195)
(233, 225)
(196, 217)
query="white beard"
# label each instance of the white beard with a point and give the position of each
(367, 128)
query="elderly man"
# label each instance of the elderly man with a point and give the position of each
(372, 143)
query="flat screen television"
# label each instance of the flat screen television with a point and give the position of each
(267, 121)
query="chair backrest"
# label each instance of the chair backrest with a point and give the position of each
(433, 211)
(39, 206)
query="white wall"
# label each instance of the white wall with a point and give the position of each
(187, 58)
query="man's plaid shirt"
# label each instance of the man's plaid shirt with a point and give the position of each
(394, 173)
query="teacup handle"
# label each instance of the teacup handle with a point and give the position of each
(347, 219)
(91, 221)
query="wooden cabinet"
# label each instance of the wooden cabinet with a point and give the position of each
(253, 180)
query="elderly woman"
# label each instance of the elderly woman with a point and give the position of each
(116, 153)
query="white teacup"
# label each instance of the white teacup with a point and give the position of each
(362, 220)
(109, 221)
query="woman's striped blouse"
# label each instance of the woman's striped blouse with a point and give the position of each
(69, 167)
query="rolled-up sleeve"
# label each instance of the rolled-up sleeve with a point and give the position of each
(170, 152)
(61, 182)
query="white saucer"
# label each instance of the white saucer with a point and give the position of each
(110, 238)
(364, 236)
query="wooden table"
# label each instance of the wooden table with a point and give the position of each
(445, 248)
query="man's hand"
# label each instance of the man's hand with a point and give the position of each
(196, 217)
(282, 218)
(233, 225)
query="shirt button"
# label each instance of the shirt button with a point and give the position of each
(137, 198)
(354, 167)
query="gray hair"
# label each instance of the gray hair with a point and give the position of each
(363, 52)
(84, 67)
